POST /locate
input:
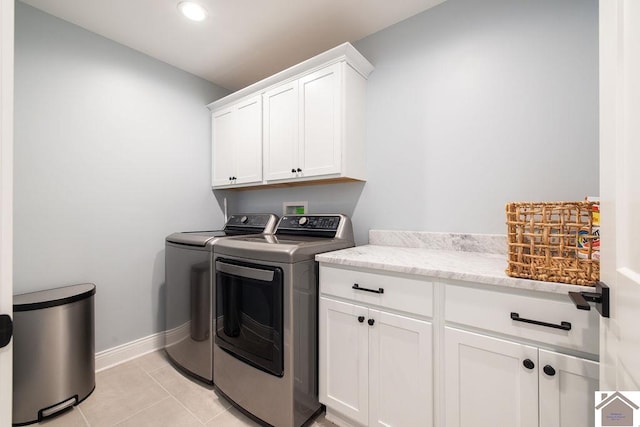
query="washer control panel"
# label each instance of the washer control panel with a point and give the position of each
(255, 220)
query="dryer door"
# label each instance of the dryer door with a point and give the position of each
(249, 313)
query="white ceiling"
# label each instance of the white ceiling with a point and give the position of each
(242, 41)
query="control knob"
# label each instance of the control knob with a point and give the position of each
(244, 219)
(303, 220)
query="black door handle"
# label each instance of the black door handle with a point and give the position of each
(6, 329)
(548, 369)
(528, 363)
(375, 291)
(579, 300)
(601, 297)
(371, 322)
(565, 326)
(299, 170)
(360, 319)
(293, 170)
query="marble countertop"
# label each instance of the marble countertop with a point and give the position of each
(451, 262)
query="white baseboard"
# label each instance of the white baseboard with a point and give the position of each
(125, 352)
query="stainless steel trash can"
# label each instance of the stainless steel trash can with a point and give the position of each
(53, 351)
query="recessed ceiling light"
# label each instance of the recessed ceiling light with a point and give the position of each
(192, 10)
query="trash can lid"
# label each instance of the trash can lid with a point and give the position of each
(53, 297)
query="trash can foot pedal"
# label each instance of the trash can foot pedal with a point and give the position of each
(47, 412)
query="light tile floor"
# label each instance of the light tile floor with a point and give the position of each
(149, 391)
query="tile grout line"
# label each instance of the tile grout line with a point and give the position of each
(143, 408)
(133, 415)
(226, 409)
(171, 394)
(227, 406)
(86, 421)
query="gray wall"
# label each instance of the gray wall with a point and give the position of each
(112, 153)
(472, 104)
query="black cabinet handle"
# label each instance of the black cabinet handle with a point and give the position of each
(371, 322)
(293, 170)
(360, 319)
(234, 178)
(528, 363)
(565, 326)
(375, 291)
(548, 369)
(299, 170)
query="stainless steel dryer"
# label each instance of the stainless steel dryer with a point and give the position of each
(188, 291)
(266, 310)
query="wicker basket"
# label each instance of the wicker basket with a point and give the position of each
(554, 241)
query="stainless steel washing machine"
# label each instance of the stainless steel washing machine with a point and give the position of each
(266, 310)
(188, 291)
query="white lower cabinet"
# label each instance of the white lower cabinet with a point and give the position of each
(496, 382)
(404, 350)
(486, 383)
(400, 371)
(567, 391)
(344, 359)
(375, 366)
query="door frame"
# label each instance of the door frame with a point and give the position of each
(619, 33)
(7, 21)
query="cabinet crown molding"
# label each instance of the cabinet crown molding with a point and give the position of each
(342, 53)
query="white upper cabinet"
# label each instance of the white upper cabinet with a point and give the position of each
(237, 144)
(223, 147)
(280, 131)
(321, 121)
(303, 127)
(312, 124)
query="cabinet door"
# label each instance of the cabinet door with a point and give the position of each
(223, 150)
(343, 355)
(400, 371)
(248, 147)
(486, 383)
(321, 121)
(567, 390)
(281, 132)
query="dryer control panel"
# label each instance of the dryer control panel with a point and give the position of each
(310, 225)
